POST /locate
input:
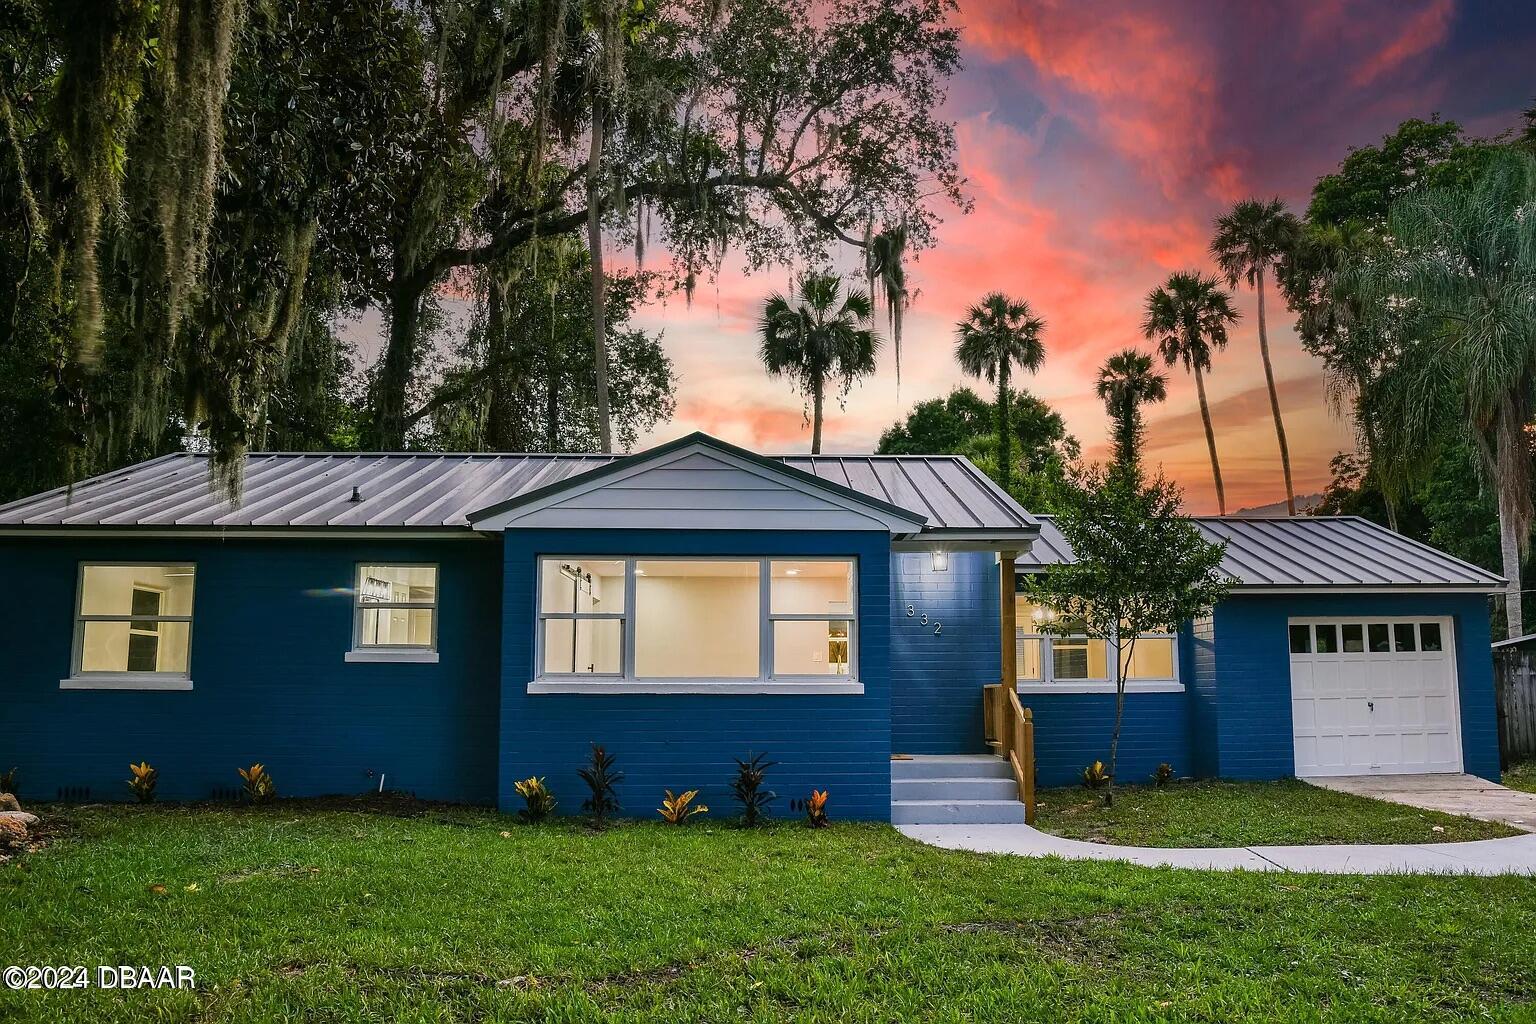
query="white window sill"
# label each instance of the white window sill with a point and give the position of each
(1102, 686)
(125, 682)
(392, 655)
(724, 686)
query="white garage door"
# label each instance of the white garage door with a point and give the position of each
(1374, 696)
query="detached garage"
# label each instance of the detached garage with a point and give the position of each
(1342, 649)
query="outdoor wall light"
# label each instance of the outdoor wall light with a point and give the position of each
(940, 561)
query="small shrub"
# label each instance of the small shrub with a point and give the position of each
(8, 782)
(144, 780)
(602, 780)
(816, 809)
(676, 810)
(748, 790)
(1096, 776)
(259, 788)
(1164, 774)
(538, 800)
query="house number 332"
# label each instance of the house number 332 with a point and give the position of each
(938, 627)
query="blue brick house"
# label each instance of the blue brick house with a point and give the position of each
(449, 624)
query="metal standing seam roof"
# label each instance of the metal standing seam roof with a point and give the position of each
(415, 490)
(1308, 551)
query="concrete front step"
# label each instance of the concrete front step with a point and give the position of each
(956, 812)
(950, 766)
(960, 788)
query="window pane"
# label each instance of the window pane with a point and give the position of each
(697, 619)
(396, 627)
(583, 646)
(584, 585)
(1301, 639)
(134, 647)
(1029, 616)
(1151, 658)
(1403, 633)
(1429, 635)
(1027, 654)
(121, 589)
(1078, 658)
(1327, 639)
(813, 647)
(812, 588)
(1354, 638)
(397, 584)
(1379, 637)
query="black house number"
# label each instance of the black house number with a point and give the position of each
(938, 627)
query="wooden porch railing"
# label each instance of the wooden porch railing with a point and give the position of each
(1010, 727)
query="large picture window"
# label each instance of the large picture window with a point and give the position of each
(1050, 652)
(697, 620)
(133, 623)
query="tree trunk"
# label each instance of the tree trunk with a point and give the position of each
(817, 386)
(599, 282)
(552, 395)
(504, 413)
(395, 374)
(1210, 441)
(1274, 399)
(1114, 737)
(1004, 435)
(1509, 552)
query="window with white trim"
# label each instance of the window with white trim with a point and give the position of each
(133, 621)
(689, 620)
(1048, 655)
(395, 608)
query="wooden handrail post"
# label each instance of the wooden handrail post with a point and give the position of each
(1027, 729)
(1008, 616)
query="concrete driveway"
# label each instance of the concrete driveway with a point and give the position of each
(1454, 794)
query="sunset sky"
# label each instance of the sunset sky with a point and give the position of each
(1099, 140)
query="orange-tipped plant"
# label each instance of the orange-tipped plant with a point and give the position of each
(816, 809)
(1096, 776)
(258, 784)
(676, 810)
(144, 780)
(539, 802)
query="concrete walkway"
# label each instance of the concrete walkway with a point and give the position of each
(1466, 795)
(1513, 856)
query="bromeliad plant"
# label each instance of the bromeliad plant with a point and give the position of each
(538, 800)
(1163, 775)
(144, 780)
(748, 790)
(676, 810)
(259, 788)
(603, 781)
(816, 809)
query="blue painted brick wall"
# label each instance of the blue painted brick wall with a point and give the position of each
(1203, 696)
(1254, 683)
(936, 677)
(841, 743)
(271, 621)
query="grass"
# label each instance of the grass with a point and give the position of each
(1246, 814)
(307, 913)
(1521, 776)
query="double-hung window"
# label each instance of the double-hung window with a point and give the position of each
(1051, 654)
(695, 623)
(133, 627)
(394, 613)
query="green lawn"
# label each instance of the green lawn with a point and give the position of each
(1246, 814)
(296, 913)
(1521, 776)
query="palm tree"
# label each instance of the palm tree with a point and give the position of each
(1456, 287)
(997, 333)
(819, 338)
(1187, 317)
(1250, 240)
(1126, 382)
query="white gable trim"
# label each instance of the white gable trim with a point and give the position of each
(723, 505)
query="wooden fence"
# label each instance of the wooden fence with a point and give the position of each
(1514, 680)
